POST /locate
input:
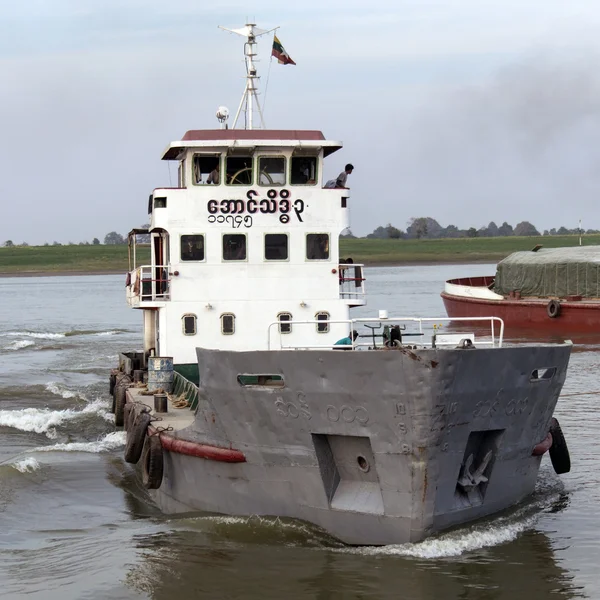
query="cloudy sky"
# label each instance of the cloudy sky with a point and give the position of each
(467, 111)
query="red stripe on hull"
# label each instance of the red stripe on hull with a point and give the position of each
(172, 444)
(574, 315)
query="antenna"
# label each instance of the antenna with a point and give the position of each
(250, 31)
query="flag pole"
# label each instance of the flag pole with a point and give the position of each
(250, 96)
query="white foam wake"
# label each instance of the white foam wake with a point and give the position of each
(35, 334)
(26, 465)
(60, 390)
(20, 344)
(111, 441)
(455, 543)
(46, 421)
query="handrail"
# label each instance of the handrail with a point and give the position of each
(388, 320)
(147, 286)
(351, 287)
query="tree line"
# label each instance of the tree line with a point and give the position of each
(418, 227)
(428, 228)
(110, 239)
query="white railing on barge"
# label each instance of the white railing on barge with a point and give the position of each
(147, 284)
(494, 340)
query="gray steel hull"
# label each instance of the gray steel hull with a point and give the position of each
(371, 446)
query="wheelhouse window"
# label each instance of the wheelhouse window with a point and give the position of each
(188, 323)
(322, 325)
(271, 170)
(206, 169)
(192, 247)
(317, 246)
(303, 170)
(234, 246)
(227, 323)
(276, 246)
(284, 319)
(239, 170)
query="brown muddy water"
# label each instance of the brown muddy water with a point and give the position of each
(76, 523)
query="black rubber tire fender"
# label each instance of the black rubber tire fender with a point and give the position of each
(553, 309)
(112, 380)
(152, 463)
(127, 414)
(119, 404)
(135, 436)
(559, 453)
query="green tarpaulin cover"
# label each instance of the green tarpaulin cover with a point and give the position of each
(551, 272)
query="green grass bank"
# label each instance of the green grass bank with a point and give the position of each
(54, 260)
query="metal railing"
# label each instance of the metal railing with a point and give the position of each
(495, 340)
(149, 283)
(352, 281)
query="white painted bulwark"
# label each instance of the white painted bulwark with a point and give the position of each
(471, 291)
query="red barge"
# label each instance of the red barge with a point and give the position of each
(557, 289)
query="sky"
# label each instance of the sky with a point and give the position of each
(465, 111)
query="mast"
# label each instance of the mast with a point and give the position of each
(250, 96)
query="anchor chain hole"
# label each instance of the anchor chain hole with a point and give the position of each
(363, 463)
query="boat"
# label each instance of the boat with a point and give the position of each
(257, 393)
(549, 289)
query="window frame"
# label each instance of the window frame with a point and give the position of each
(265, 248)
(227, 314)
(228, 260)
(284, 172)
(328, 259)
(298, 157)
(187, 316)
(191, 260)
(320, 324)
(280, 322)
(218, 155)
(252, 160)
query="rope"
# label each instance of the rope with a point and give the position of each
(159, 430)
(579, 394)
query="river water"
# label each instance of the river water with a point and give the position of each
(76, 523)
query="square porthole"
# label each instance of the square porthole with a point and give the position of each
(284, 319)
(227, 324)
(188, 323)
(322, 322)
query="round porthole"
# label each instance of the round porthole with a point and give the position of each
(363, 463)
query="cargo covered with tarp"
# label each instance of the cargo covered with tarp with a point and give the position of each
(551, 272)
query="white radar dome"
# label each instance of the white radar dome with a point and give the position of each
(222, 113)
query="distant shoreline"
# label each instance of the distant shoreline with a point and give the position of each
(406, 263)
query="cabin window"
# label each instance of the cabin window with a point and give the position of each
(206, 169)
(227, 324)
(192, 247)
(160, 202)
(276, 246)
(234, 246)
(322, 325)
(239, 170)
(271, 170)
(317, 246)
(303, 170)
(188, 323)
(284, 319)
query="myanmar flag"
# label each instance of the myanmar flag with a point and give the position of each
(280, 54)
